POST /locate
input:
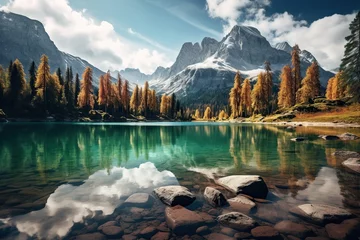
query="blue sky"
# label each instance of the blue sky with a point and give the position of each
(115, 34)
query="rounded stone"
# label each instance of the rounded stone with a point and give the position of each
(290, 228)
(236, 220)
(265, 232)
(214, 197)
(113, 231)
(175, 195)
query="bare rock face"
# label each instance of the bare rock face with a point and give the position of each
(183, 221)
(241, 203)
(214, 197)
(251, 185)
(294, 229)
(175, 195)
(320, 213)
(142, 200)
(236, 220)
(353, 164)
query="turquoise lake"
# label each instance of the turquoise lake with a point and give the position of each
(57, 179)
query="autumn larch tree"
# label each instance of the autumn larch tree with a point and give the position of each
(134, 101)
(42, 78)
(125, 97)
(235, 94)
(32, 79)
(145, 99)
(197, 114)
(329, 89)
(77, 89)
(17, 85)
(296, 70)
(119, 90)
(86, 97)
(53, 92)
(285, 96)
(102, 93)
(164, 105)
(152, 102)
(310, 85)
(207, 114)
(245, 107)
(222, 115)
(350, 64)
(258, 95)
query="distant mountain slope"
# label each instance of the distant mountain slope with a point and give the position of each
(205, 72)
(26, 40)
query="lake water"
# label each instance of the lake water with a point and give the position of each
(62, 180)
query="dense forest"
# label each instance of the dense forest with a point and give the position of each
(44, 94)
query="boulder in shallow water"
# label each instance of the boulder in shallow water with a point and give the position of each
(348, 136)
(295, 229)
(329, 137)
(348, 229)
(141, 200)
(241, 203)
(214, 197)
(265, 232)
(353, 164)
(321, 213)
(236, 220)
(252, 185)
(175, 195)
(183, 221)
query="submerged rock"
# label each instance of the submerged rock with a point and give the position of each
(265, 232)
(348, 136)
(113, 231)
(175, 195)
(183, 221)
(353, 164)
(298, 139)
(219, 236)
(91, 236)
(161, 236)
(346, 154)
(214, 197)
(142, 200)
(241, 203)
(251, 185)
(329, 137)
(348, 229)
(290, 228)
(320, 213)
(236, 220)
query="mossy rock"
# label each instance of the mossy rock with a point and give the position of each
(305, 108)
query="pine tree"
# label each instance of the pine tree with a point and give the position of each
(119, 90)
(2, 85)
(77, 89)
(68, 88)
(258, 95)
(59, 74)
(108, 90)
(235, 94)
(173, 105)
(102, 93)
(134, 101)
(296, 71)
(285, 96)
(17, 85)
(86, 97)
(42, 78)
(125, 97)
(246, 102)
(310, 85)
(32, 79)
(350, 64)
(329, 89)
(207, 114)
(268, 86)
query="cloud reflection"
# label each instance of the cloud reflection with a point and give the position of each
(101, 191)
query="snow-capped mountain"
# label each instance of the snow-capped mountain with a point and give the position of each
(205, 72)
(26, 39)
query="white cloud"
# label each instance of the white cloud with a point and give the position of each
(81, 35)
(324, 38)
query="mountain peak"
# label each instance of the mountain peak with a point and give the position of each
(245, 30)
(285, 46)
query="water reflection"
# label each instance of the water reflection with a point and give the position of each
(100, 192)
